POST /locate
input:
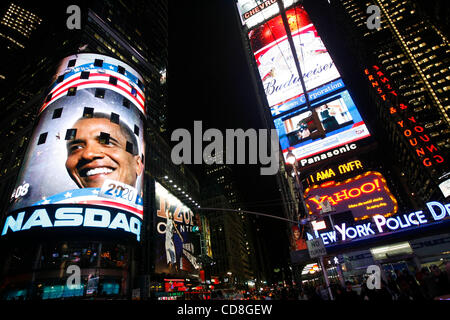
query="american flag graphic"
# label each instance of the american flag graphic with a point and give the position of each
(91, 196)
(106, 77)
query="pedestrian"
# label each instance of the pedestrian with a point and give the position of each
(383, 294)
(302, 295)
(431, 285)
(339, 293)
(441, 281)
(422, 278)
(392, 286)
(349, 293)
(403, 285)
(323, 292)
(365, 293)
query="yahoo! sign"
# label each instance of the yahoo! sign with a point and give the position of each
(380, 225)
(365, 195)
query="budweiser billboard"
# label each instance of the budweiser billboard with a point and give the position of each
(275, 62)
(320, 130)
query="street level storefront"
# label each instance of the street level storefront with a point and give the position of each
(406, 241)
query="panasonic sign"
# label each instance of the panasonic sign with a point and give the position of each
(57, 216)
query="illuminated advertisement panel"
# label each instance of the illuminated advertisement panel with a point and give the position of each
(84, 164)
(207, 234)
(275, 62)
(297, 241)
(175, 238)
(432, 214)
(331, 123)
(335, 171)
(364, 195)
(253, 12)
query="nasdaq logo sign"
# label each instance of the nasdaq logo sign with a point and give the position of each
(71, 216)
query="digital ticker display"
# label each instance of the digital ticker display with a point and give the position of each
(87, 149)
(332, 120)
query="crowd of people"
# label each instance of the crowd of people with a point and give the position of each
(402, 285)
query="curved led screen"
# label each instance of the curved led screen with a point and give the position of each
(176, 243)
(87, 149)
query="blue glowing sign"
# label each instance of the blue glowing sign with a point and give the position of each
(380, 225)
(80, 217)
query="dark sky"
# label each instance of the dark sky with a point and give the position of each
(209, 80)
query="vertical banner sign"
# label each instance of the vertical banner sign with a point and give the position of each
(85, 162)
(414, 129)
(175, 243)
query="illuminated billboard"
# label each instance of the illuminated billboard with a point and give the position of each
(335, 171)
(85, 160)
(331, 121)
(365, 195)
(275, 62)
(176, 240)
(253, 12)
(432, 214)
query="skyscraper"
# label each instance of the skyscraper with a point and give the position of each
(406, 62)
(231, 232)
(136, 35)
(397, 78)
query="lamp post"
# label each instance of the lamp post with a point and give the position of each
(292, 160)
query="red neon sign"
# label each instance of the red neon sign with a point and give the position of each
(413, 131)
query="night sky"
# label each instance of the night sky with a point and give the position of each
(209, 80)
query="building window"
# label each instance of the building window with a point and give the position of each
(100, 93)
(104, 138)
(129, 147)
(98, 63)
(72, 91)
(126, 103)
(71, 63)
(49, 97)
(88, 112)
(84, 75)
(113, 80)
(42, 138)
(70, 134)
(114, 117)
(57, 113)
(120, 69)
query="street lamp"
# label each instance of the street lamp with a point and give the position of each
(291, 159)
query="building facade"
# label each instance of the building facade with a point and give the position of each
(124, 38)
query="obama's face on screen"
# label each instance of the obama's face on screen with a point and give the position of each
(99, 150)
